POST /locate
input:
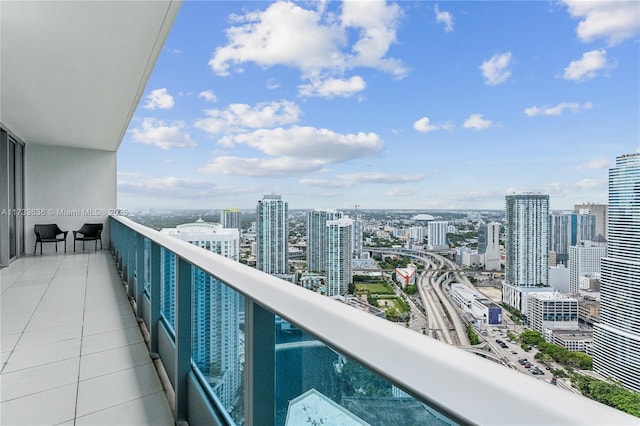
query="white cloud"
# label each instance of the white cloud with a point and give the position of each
(445, 18)
(325, 183)
(591, 184)
(158, 133)
(159, 99)
(332, 87)
(323, 145)
(321, 48)
(264, 167)
(208, 96)
(242, 117)
(588, 66)
(423, 125)
(558, 109)
(175, 187)
(614, 21)
(475, 121)
(597, 164)
(400, 192)
(496, 69)
(350, 179)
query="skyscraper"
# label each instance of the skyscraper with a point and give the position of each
(230, 218)
(339, 255)
(526, 247)
(600, 211)
(317, 238)
(567, 229)
(617, 336)
(358, 238)
(272, 234)
(492, 247)
(437, 235)
(215, 331)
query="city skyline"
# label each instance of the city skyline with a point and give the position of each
(448, 105)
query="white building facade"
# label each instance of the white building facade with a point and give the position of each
(526, 247)
(617, 336)
(339, 254)
(272, 235)
(230, 218)
(584, 260)
(492, 247)
(552, 311)
(317, 238)
(437, 235)
(215, 331)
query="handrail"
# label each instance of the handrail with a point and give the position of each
(462, 386)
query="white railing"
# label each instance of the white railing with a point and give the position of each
(464, 387)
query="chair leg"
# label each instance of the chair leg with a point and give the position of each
(35, 247)
(40, 248)
(56, 246)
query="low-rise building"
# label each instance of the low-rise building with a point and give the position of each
(483, 310)
(574, 340)
(406, 276)
(552, 311)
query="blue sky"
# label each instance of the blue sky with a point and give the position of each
(411, 105)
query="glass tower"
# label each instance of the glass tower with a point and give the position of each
(272, 234)
(617, 336)
(317, 238)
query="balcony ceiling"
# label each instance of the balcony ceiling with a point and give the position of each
(72, 73)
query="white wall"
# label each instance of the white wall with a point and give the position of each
(71, 179)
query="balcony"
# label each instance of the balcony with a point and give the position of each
(296, 350)
(72, 350)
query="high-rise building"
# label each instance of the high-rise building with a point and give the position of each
(566, 229)
(526, 247)
(482, 238)
(317, 238)
(584, 259)
(600, 211)
(437, 235)
(339, 255)
(215, 329)
(230, 218)
(272, 234)
(492, 247)
(358, 238)
(617, 336)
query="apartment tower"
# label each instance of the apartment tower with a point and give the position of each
(526, 247)
(215, 332)
(230, 218)
(617, 335)
(272, 235)
(339, 255)
(317, 238)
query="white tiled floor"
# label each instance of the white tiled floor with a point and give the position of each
(72, 352)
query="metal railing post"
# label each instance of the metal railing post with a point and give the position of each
(184, 277)
(140, 273)
(260, 380)
(155, 296)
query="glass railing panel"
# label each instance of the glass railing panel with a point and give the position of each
(316, 384)
(218, 340)
(168, 286)
(146, 276)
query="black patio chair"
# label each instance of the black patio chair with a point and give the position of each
(88, 232)
(49, 233)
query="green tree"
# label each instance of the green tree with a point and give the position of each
(531, 337)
